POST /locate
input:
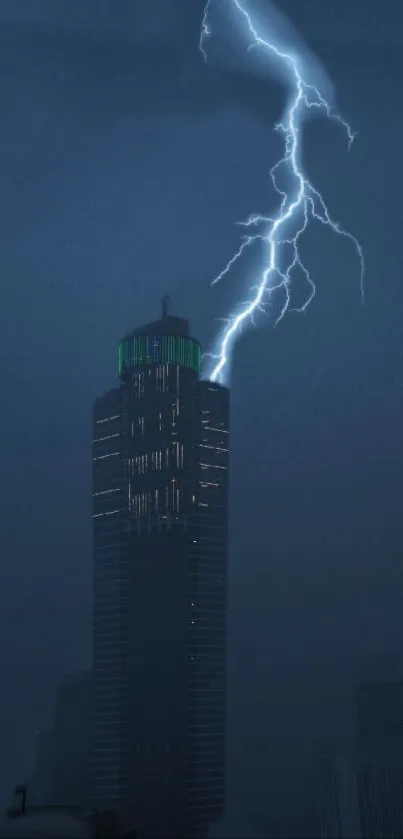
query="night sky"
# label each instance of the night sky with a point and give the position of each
(124, 161)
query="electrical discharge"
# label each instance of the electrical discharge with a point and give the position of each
(300, 203)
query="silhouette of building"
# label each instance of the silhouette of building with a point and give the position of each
(380, 749)
(71, 773)
(41, 781)
(380, 720)
(160, 514)
(339, 814)
(363, 795)
(63, 758)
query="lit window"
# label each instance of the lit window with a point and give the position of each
(109, 437)
(107, 419)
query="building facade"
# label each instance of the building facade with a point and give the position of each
(160, 515)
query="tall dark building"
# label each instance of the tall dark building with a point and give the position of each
(380, 746)
(160, 513)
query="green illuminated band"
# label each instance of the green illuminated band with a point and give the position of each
(162, 349)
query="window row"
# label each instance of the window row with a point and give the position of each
(157, 460)
(156, 502)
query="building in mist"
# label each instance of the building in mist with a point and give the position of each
(160, 514)
(71, 772)
(63, 752)
(339, 815)
(380, 721)
(362, 796)
(40, 783)
(380, 751)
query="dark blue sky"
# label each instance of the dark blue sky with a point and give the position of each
(124, 162)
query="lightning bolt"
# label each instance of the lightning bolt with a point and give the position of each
(299, 205)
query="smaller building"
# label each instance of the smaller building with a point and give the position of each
(339, 811)
(380, 758)
(62, 772)
(362, 796)
(380, 721)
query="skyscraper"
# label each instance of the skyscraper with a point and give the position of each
(160, 513)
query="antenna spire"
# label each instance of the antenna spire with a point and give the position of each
(165, 303)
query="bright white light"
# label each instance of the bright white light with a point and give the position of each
(299, 205)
